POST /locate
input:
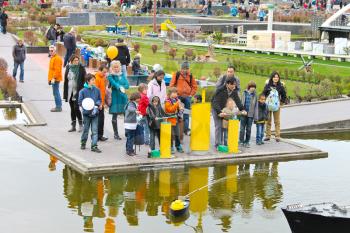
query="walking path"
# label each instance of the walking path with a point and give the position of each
(54, 138)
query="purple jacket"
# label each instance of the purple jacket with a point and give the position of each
(155, 90)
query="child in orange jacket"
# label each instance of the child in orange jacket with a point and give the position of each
(173, 107)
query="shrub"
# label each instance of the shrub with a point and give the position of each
(219, 12)
(189, 54)
(217, 72)
(172, 53)
(30, 37)
(137, 47)
(51, 19)
(297, 93)
(100, 42)
(154, 48)
(3, 65)
(8, 85)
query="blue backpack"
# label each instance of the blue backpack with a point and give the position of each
(273, 101)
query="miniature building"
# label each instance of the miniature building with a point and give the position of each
(268, 39)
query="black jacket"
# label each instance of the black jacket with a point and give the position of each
(19, 53)
(123, 54)
(69, 41)
(3, 19)
(280, 89)
(262, 113)
(153, 113)
(51, 33)
(80, 82)
(220, 97)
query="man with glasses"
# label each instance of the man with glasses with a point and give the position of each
(218, 102)
(55, 77)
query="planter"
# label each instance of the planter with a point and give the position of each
(38, 49)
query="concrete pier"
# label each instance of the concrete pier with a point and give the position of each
(48, 131)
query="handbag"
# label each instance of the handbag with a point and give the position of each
(108, 97)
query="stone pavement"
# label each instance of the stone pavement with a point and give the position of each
(54, 138)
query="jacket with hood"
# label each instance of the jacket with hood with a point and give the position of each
(51, 34)
(280, 89)
(55, 68)
(143, 104)
(185, 85)
(69, 41)
(262, 114)
(253, 107)
(19, 53)
(89, 92)
(80, 82)
(119, 99)
(220, 97)
(154, 112)
(136, 66)
(154, 89)
(130, 119)
(123, 54)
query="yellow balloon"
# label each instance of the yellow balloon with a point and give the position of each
(112, 52)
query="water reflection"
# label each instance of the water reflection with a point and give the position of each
(12, 115)
(152, 192)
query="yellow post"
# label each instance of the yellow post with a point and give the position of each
(233, 134)
(200, 127)
(198, 178)
(203, 95)
(231, 181)
(164, 183)
(165, 140)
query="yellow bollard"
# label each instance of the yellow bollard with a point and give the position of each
(198, 179)
(200, 127)
(165, 140)
(231, 181)
(233, 135)
(164, 183)
(203, 96)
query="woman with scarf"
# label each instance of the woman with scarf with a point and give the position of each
(73, 83)
(118, 83)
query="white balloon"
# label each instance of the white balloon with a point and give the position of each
(88, 104)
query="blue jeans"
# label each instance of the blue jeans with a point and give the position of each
(130, 138)
(52, 42)
(15, 68)
(56, 94)
(259, 132)
(224, 136)
(187, 102)
(144, 123)
(245, 129)
(69, 53)
(93, 123)
(124, 70)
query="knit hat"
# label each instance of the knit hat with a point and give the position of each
(185, 65)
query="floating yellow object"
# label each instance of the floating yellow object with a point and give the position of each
(233, 134)
(165, 140)
(200, 127)
(177, 205)
(112, 52)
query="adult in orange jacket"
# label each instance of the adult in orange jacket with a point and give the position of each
(101, 84)
(55, 77)
(186, 88)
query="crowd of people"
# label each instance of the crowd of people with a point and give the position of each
(152, 103)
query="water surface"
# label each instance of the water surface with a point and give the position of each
(40, 194)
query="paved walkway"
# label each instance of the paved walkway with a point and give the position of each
(54, 137)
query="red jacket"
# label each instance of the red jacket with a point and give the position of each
(143, 104)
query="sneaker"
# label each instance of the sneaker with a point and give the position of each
(130, 153)
(83, 146)
(188, 133)
(95, 149)
(258, 143)
(179, 149)
(278, 139)
(247, 145)
(172, 150)
(116, 137)
(56, 110)
(240, 143)
(261, 143)
(21, 81)
(134, 152)
(102, 139)
(149, 155)
(266, 139)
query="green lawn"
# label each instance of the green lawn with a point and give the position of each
(1, 96)
(206, 69)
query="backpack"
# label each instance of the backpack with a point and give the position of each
(178, 76)
(273, 101)
(139, 135)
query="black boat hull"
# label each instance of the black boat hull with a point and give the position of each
(301, 222)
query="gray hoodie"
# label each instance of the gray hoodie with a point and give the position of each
(19, 53)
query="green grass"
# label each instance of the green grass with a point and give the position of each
(275, 62)
(1, 96)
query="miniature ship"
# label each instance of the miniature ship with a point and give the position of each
(318, 218)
